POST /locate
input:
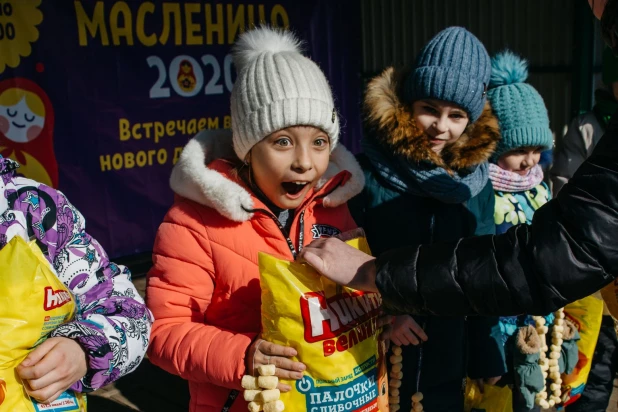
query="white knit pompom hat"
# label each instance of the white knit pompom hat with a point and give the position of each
(277, 87)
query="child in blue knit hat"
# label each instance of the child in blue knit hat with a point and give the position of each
(428, 138)
(517, 177)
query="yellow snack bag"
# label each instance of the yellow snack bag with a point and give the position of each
(587, 314)
(333, 329)
(494, 398)
(33, 302)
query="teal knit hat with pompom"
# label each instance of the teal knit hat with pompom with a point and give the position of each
(520, 109)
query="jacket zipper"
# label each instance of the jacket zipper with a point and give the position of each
(301, 225)
(301, 236)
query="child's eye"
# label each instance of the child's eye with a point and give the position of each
(430, 109)
(28, 119)
(284, 142)
(8, 111)
(457, 116)
(321, 142)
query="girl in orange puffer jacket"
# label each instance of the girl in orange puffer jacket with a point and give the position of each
(285, 183)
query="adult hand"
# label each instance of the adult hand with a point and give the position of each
(52, 368)
(404, 331)
(262, 352)
(341, 263)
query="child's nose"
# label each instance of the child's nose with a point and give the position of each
(440, 125)
(303, 161)
(530, 161)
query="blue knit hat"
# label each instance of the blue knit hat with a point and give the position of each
(520, 109)
(454, 66)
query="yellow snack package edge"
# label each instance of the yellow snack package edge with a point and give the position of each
(333, 329)
(587, 314)
(494, 398)
(33, 302)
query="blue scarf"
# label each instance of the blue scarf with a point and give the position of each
(425, 179)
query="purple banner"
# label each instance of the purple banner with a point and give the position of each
(99, 97)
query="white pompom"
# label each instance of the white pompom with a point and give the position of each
(251, 44)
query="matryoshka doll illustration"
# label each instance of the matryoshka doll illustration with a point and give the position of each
(26, 129)
(186, 77)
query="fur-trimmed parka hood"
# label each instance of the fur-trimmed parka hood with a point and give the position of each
(193, 179)
(390, 120)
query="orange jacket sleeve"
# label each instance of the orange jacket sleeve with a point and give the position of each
(180, 288)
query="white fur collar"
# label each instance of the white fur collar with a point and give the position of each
(191, 178)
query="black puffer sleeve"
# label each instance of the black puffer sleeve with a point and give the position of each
(569, 252)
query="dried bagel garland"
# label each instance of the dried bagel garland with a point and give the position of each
(261, 391)
(549, 362)
(394, 383)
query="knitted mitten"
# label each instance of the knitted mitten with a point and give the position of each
(528, 374)
(569, 352)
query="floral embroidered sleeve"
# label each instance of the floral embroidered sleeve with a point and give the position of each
(112, 323)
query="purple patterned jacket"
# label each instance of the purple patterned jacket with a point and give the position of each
(112, 323)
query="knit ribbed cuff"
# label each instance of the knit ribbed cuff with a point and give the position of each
(448, 84)
(524, 137)
(281, 114)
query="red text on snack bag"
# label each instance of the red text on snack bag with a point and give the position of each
(327, 318)
(348, 340)
(55, 298)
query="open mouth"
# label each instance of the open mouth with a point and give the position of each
(294, 188)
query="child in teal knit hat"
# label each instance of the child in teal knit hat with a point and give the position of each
(517, 178)
(515, 172)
